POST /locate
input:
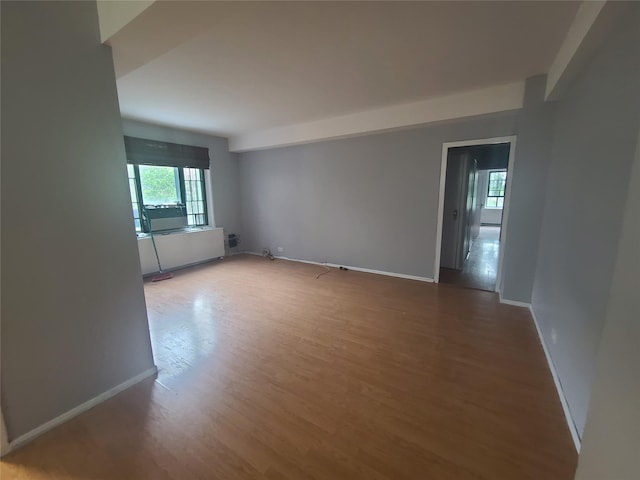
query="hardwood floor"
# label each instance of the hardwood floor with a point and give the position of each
(269, 373)
(481, 267)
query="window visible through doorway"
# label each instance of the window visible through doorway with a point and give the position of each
(161, 186)
(496, 189)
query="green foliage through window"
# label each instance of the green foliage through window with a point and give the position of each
(160, 185)
(152, 185)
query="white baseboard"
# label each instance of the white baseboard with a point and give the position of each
(182, 267)
(355, 269)
(45, 427)
(556, 379)
(513, 302)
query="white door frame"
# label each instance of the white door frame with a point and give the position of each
(507, 198)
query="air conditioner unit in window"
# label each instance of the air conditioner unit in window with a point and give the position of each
(164, 218)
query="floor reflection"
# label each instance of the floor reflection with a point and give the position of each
(183, 330)
(481, 267)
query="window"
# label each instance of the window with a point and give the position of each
(162, 187)
(495, 192)
(194, 196)
(135, 197)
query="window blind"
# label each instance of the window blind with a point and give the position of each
(141, 151)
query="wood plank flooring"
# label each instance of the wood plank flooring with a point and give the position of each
(269, 373)
(481, 267)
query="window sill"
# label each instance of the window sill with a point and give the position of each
(179, 231)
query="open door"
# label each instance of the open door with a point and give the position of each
(460, 210)
(472, 209)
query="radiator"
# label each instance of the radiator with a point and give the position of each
(179, 249)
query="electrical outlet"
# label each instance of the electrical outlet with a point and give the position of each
(280, 249)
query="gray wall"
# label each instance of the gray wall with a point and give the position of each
(528, 180)
(224, 167)
(369, 201)
(74, 321)
(594, 142)
(612, 434)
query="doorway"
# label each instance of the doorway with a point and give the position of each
(473, 212)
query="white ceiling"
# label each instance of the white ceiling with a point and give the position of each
(231, 68)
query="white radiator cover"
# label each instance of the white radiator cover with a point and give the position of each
(179, 249)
